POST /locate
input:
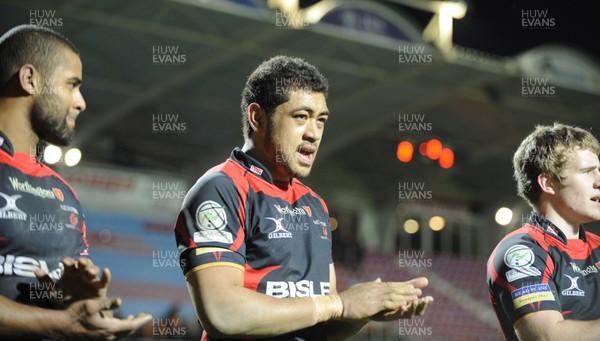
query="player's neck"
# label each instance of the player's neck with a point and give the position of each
(569, 228)
(15, 124)
(261, 156)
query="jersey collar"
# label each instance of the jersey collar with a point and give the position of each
(538, 220)
(5, 144)
(251, 165)
(7, 147)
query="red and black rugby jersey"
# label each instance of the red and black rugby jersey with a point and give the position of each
(537, 268)
(280, 238)
(41, 222)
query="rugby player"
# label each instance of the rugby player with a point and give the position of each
(543, 278)
(44, 291)
(256, 243)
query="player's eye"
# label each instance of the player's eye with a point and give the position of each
(302, 117)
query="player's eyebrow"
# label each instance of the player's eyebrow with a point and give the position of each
(589, 168)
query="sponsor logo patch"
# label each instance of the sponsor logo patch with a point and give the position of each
(211, 215)
(291, 211)
(11, 265)
(520, 258)
(592, 269)
(211, 218)
(256, 170)
(303, 288)
(531, 294)
(26, 187)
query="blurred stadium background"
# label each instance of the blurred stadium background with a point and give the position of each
(429, 100)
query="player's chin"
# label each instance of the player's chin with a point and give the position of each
(590, 216)
(301, 172)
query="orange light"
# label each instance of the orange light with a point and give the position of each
(333, 223)
(405, 151)
(423, 148)
(434, 149)
(447, 158)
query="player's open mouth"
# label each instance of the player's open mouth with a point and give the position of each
(596, 199)
(307, 154)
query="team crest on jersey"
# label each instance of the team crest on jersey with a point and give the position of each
(520, 258)
(211, 218)
(59, 194)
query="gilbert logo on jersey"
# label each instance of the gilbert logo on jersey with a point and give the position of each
(10, 209)
(280, 231)
(574, 289)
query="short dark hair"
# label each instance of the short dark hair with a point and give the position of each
(271, 82)
(30, 44)
(546, 150)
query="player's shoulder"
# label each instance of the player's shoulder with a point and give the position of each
(526, 237)
(24, 167)
(225, 177)
(523, 248)
(217, 176)
(525, 234)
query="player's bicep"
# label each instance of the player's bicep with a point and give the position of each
(537, 325)
(192, 260)
(212, 290)
(211, 223)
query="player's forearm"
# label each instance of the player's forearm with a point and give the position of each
(342, 330)
(21, 320)
(563, 330)
(242, 312)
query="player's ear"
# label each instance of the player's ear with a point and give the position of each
(27, 78)
(257, 116)
(546, 183)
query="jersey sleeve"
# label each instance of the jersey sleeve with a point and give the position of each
(76, 220)
(210, 227)
(83, 249)
(519, 278)
(327, 232)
